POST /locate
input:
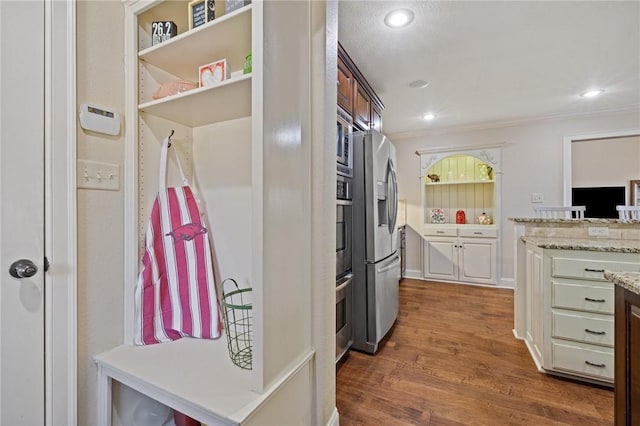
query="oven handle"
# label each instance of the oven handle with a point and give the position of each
(393, 265)
(346, 280)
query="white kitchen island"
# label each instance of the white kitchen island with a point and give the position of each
(563, 304)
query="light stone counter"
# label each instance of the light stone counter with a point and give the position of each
(614, 229)
(628, 280)
(574, 221)
(590, 244)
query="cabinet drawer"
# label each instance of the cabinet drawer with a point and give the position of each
(588, 328)
(588, 269)
(440, 231)
(583, 360)
(479, 232)
(580, 297)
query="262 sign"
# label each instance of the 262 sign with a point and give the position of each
(162, 30)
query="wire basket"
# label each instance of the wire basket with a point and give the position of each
(238, 323)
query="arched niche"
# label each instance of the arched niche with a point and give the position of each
(465, 179)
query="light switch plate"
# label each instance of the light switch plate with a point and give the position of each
(537, 197)
(96, 175)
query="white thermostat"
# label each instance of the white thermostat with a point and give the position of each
(99, 119)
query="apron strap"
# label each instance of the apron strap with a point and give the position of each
(163, 164)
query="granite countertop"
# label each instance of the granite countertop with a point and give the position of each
(574, 221)
(628, 280)
(591, 244)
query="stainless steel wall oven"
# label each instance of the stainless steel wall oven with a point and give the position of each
(344, 144)
(344, 226)
(344, 286)
(344, 328)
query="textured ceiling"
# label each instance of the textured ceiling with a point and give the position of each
(491, 63)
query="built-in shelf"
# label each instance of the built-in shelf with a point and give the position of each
(229, 36)
(195, 376)
(228, 100)
(466, 182)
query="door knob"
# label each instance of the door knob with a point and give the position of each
(23, 268)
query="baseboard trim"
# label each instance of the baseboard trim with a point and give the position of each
(334, 420)
(413, 273)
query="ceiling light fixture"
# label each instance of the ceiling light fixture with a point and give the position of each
(429, 116)
(592, 93)
(398, 18)
(418, 84)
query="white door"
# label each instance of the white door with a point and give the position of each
(22, 212)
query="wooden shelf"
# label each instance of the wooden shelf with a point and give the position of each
(228, 100)
(467, 182)
(226, 37)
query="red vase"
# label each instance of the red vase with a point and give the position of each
(460, 217)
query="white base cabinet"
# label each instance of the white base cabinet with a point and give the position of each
(570, 308)
(464, 254)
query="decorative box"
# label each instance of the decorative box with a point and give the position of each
(231, 5)
(162, 30)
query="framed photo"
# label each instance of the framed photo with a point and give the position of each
(201, 12)
(213, 73)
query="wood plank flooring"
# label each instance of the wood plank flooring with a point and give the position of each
(451, 359)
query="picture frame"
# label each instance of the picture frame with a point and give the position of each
(201, 12)
(438, 216)
(213, 73)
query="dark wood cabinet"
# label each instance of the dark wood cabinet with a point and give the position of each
(356, 96)
(345, 87)
(376, 118)
(362, 110)
(627, 358)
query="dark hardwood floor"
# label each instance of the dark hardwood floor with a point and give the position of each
(451, 359)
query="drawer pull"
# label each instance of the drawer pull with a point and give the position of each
(439, 232)
(588, 299)
(593, 364)
(593, 270)
(600, 333)
(477, 233)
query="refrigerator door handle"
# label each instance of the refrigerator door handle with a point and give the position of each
(392, 211)
(388, 267)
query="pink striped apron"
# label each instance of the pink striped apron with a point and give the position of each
(176, 294)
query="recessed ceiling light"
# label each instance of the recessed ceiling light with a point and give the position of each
(418, 84)
(592, 93)
(429, 116)
(398, 18)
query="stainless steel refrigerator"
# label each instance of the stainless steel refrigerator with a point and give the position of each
(376, 255)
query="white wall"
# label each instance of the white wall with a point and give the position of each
(100, 73)
(588, 169)
(100, 55)
(532, 162)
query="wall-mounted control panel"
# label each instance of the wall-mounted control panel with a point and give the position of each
(99, 119)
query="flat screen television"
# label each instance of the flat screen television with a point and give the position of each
(600, 202)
